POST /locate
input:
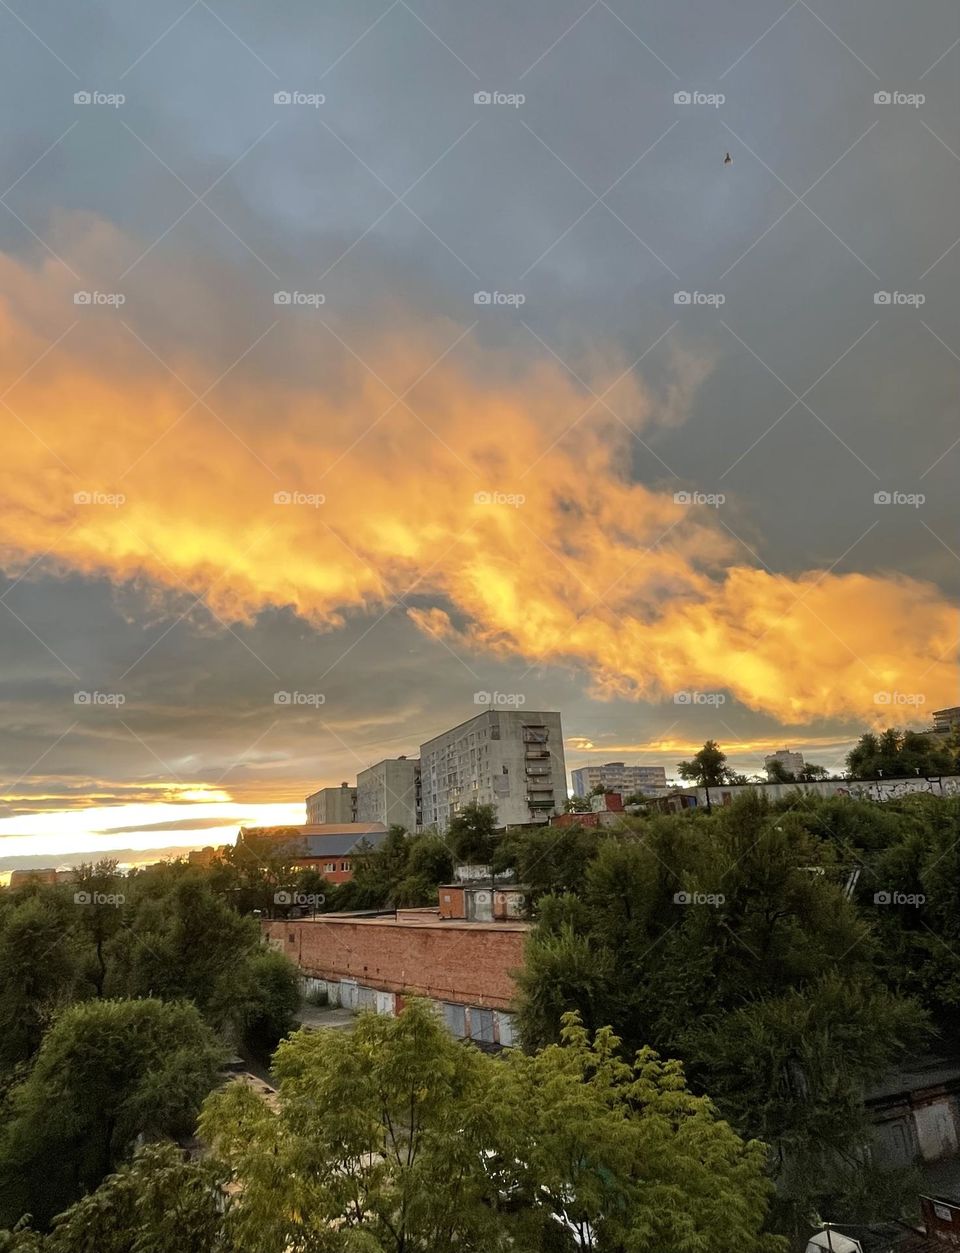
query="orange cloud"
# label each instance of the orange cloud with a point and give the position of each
(501, 501)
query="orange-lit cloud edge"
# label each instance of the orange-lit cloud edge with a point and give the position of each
(589, 569)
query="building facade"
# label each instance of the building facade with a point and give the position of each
(333, 804)
(389, 792)
(330, 848)
(465, 968)
(615, 776)
(793, 763)
(946, 721)
(506, 758)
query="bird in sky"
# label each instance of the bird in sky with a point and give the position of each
(728, 160)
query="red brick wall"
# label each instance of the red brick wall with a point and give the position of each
(331, 876)
(469, 963)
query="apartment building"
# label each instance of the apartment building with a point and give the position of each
(389, 792)
(333, 804)
(510, 759)
(615, 776)
(791, 762)
(946, 721)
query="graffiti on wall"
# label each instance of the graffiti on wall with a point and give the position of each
(893, 789)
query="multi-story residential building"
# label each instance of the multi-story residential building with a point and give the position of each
(793, 763)
(507, 758)
(333, 804)
(946, 721)
(617, 777)
(389, 792)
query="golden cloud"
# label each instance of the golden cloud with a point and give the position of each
(501, 502)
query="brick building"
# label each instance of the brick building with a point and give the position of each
(466, 968)
(330, 847)
(478, 902)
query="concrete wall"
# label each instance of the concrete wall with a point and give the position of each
(868, 790)
(387, 793)
(332, 804)
(469, 963)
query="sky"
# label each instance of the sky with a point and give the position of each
(360, 356)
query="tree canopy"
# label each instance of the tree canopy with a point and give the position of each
(399, 1139)
(106, 1073)
(727, 940)
(900, 754)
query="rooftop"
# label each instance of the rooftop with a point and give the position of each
(322, 839)
(425, 919)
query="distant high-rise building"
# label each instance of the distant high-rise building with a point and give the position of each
(389, 792)
(615, 776)
(793, 763)
(946, 721)
(510, 759)
(333, 804)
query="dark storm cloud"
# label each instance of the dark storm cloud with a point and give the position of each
(502, 198)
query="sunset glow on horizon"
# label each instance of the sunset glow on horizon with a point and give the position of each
(291, 472)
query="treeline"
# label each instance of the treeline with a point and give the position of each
(891, 754)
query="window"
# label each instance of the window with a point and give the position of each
(330, 867)
(455, 1018)
(481, 1025)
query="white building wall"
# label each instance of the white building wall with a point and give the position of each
(494, 759)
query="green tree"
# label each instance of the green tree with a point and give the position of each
(548, 859)
(98, 893)
(811, 772)
(708, 768)
(471, 834)
(727, 941)
(256, 868)
(106, 1073)
(397, 1139)
(267, 1003)
(621, 1156)
(429, 863)
(38, 972)
(899, 754)
(576, 805)
(161, 1202)
(185, 944)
